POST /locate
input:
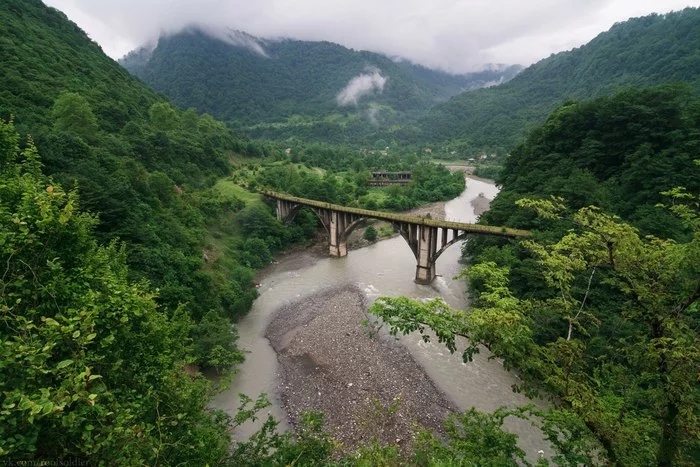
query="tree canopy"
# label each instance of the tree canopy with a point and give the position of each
(640, 52)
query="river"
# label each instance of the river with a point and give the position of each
(385, 268)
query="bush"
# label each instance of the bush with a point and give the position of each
(370, 234)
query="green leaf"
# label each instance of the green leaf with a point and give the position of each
(64, 364)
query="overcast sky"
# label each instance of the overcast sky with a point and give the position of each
(456, 35)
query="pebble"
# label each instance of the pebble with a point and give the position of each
(331, 346)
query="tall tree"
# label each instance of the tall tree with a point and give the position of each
(625, 360)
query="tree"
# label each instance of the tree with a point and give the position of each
(89, 366)
(626, 357)
(72, 114)
(370, 234)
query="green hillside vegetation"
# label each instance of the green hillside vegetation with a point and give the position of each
(618, 152)
(346, 175)
(292, 90)
(143, 167)
(90, 368)
(603, 317)
(646, 51)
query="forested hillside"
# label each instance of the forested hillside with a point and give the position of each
(141, 165)
(594, 312)
(124, 265)
(247, 81)
(618, 152)
(646, 51)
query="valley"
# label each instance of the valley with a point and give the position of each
(156, 309)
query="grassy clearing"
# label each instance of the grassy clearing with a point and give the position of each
(230, 190)
(378, 194)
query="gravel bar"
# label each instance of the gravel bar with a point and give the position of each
(369, 387)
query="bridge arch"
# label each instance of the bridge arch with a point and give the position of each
(350, 227)
(462, 236)
(292, 212)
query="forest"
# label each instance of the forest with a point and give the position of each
(131, 231)
(640, 52)
(598, 311)
(281, 89)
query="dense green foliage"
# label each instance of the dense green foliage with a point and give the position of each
(251, 83)
(143, 167)
(644, 51)
(429, 183)
(611, 335)
(618, 152)
(593, 312)
(89, 367)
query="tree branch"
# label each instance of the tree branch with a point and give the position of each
(571, 320)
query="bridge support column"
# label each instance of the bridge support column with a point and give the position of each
(425, 254)
(283, 209)
(336, 241)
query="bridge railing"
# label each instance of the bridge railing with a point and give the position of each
(393, 217)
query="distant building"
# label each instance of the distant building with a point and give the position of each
(389, 178)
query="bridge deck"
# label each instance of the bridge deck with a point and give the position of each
(392, 217)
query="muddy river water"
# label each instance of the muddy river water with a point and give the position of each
(385, 268)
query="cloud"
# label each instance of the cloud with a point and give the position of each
(454, 35)
(361, 85)
(234, 37)
(373, 114)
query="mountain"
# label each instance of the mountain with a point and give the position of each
(248, 81)
(640, 52)
(144, 168)
(105, 202)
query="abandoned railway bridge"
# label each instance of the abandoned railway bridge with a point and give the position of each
(427, 238)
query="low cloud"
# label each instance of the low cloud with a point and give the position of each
(373, 114)
(237, 38)
(365, 83)
(458, 36)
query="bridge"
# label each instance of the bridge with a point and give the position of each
(427, 238)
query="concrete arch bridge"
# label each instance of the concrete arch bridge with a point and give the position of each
(427, 238)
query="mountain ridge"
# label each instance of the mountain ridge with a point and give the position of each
(646, 51)
(288, 77)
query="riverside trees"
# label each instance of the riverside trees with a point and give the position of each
(621, 354)
(89, 367)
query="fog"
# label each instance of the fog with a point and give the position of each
(365, 83)
(454, 35)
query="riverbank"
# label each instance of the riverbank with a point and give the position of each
(301, 278)
(368, 386)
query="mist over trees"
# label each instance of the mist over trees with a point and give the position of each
(130, 234)
(640, 52)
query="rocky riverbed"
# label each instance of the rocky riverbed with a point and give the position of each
(367, 384)
(481, 204)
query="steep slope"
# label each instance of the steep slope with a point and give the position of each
(591, 161)
(92, 353)
(44, 54)
(646, 51)
(245, 80)
(143, 167)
